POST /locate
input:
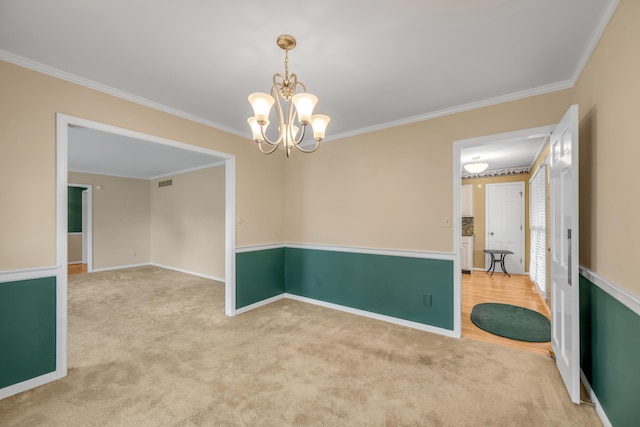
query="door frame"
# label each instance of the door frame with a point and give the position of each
(63, 121)
(458, 145)
(522, 221)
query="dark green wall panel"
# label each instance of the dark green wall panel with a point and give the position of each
(74, 211)
(259, 275)
(610, 353)
(27, 329)
(390, 285)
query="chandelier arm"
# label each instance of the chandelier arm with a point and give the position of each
(304, 88)
(299, 147)
(274, 94)
(278, 79)
(297, 143)
(273, 148)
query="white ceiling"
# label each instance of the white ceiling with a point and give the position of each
(519, 153)
(95, 151)
(373, 64)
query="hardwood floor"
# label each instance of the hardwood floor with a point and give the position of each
(479, 287)
(76, 268)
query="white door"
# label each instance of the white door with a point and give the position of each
(505, 223)
(565, 325)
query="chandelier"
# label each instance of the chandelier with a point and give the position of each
(283, 91)
(476, 167)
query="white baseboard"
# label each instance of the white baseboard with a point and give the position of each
(193, 273)
(28, 384)
(376, 316)
(603, 416)
(120, 267)
(260, 304)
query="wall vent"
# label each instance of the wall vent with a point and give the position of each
(165, 183)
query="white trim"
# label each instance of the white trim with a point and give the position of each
(350, 249)
(350, 310)
(567, 84)
(230, 237)
(45, 69)
(254, 248)
(513, 136)
(61, 353)
(260, 303)
(193, 273)
(51, 71)
(120, 267)
(372, 251)
(62, 146)
(594, 399)
(27, 385)
(28, 273)
(376, 316)
(540, 90)
(458, 146)
(74, 233)
(623, 296)
(457, 241)
(594, 40)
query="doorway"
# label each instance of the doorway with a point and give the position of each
(63, 123)
(496, 285)
(80, 232)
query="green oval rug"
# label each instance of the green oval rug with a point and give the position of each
(511, 321)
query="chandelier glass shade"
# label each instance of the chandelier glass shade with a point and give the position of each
(294, 111)
(476, 166)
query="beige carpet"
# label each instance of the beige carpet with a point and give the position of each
(152, 347)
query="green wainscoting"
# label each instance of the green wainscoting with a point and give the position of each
(610, 353)
(27, 329)
(390, 285)
(74, 209)
(259, 275)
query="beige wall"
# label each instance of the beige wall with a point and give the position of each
(74, 247)
(393, 188)
(121, 219)
(479, 211)
(28, 109)
(188, 222)
(608, 93)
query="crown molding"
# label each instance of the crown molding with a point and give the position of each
(54, 72)
(594, 40)
(540, 90)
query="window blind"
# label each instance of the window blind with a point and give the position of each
(537, 228)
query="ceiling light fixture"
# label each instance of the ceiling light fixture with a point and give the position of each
(476, 166)
(284, 90)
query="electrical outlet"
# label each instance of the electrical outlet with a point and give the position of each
(426, 300)
(318, 281)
